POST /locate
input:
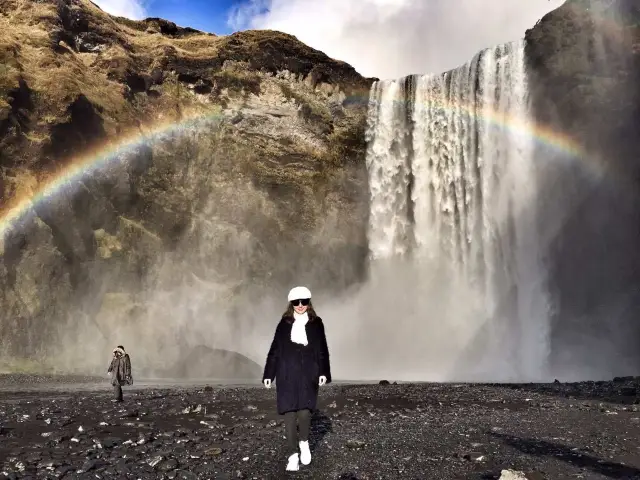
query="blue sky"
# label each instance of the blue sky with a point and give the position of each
(206, 15)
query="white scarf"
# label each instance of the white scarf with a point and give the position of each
(298, 332)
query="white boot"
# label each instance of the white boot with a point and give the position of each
(292, 465)
(305, 453)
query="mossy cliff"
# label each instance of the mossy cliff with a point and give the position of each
(259, 183)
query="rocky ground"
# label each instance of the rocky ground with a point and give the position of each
(440, 431)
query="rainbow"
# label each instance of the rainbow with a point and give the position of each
(95, 159)
(91, 161)
(541, 134)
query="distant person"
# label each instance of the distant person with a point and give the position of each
(120, 370)
(298, 361)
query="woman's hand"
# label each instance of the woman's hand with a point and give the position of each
(322, 380)
(267, 382)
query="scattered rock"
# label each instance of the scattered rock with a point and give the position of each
(412, 431)
(90, 465)
(355, 444)
(512, 475)
(153, 461)
(168, 465)
(110, 442)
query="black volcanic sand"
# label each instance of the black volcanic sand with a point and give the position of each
(585, 430)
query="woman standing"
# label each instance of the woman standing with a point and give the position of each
(298, 361)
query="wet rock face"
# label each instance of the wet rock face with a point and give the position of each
(236, 160)
(584, 69)
(84, 128)
(204, 362)
(227, 219)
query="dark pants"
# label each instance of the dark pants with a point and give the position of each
(117, 390)
(303, 418)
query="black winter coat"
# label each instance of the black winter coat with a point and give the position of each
(297, 368)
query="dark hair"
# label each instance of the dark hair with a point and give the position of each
(288, 313)
(120, 346)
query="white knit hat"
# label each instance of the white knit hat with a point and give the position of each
(298, 293)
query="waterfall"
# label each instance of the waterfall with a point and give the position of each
(388, 163)
(453, 180)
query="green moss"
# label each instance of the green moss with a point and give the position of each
(312, 111)
(348, 143)
(237, 81)
(137, 231)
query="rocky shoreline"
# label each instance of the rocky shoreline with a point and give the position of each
(431, 431)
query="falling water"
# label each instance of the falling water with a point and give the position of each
(388, 161)
(452, 176)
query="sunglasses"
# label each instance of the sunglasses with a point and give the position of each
(301, 301)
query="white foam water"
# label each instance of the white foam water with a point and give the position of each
(453, 184)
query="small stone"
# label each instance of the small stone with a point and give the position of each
(91, 465)
(110, 442)
(48, 464)
(512, 475)
(213, 451)
(63, 470)
(355, 444)
(169, 464)
(145, 438)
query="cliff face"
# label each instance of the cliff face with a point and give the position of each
(236, 167)
(584, 68)
(216, 170)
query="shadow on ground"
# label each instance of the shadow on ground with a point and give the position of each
(320, 425)
(542, 448)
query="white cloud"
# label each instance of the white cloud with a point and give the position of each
(393, 38)
(133, 9)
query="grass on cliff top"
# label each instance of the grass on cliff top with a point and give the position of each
(194, 46)
(56, 78)
(57, 74)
